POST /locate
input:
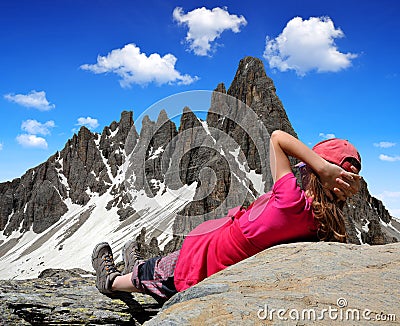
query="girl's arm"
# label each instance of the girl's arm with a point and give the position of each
(333, 177)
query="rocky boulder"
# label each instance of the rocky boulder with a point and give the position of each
(292, 284)
(68, 297)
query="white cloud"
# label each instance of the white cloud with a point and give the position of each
(306, 45)
(327, 136)
(207, 25)
(388, 158)
(384, 144)
(89, 122)
(32, 141)
(34, 127)
(135, 67)
(390, 194)
(1, 146)
(34, 99)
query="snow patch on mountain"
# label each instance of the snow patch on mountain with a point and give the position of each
(69, 242)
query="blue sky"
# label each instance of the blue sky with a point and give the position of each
(335, 65)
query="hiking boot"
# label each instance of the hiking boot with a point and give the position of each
(130, 254)
(106, 272)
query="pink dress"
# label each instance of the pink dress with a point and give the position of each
(283, 215)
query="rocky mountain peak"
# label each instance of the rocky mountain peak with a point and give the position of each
(250, 68)
(220, 88)
(146, 121)
(253, 87)
(162, 117)
(126, 121)
(84, 134)
(188, 120)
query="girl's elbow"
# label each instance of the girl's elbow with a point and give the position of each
(276, 135)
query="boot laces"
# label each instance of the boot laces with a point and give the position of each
(109, 262)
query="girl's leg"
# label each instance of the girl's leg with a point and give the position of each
(124, 283)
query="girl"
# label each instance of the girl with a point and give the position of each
(286, 214)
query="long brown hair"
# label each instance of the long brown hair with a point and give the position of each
(327, 212)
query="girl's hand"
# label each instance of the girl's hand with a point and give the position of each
(338, 181)
(351, 187)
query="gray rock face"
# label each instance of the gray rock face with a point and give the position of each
(156, 138)
(369, 216)
(309, 283)
(79, 158)
(200, 160)
(24, 201)
(253, 87)
(60, 297)
(111, 147)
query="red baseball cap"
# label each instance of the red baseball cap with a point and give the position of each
(339, 152)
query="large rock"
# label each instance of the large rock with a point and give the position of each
(68, 297)
(300, 280)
